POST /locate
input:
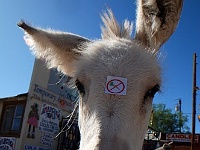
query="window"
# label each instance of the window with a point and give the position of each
(12, 117)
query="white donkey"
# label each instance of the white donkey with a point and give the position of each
(117, 76)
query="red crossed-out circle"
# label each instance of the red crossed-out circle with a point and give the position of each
(119, 83)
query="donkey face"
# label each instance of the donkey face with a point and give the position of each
(117, 76)
(116, 121)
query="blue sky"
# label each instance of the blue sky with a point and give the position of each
(82, 17)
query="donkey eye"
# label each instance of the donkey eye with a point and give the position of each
(80, 87)
(152, 92)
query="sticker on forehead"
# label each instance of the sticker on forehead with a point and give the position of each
(116, 85)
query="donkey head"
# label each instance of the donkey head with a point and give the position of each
(117, 76)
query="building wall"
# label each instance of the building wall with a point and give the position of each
(47, 102)
(44, 98)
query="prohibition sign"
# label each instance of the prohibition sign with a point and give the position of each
(115, 86)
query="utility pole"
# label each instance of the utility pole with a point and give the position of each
(194, 103)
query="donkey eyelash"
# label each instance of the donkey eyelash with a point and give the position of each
(80, 87)
(151, 93)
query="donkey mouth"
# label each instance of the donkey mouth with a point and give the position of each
(114, 143)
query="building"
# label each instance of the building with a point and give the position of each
(31, 121)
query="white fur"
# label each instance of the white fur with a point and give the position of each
(112, 122)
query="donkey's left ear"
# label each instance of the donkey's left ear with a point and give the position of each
(61, 50)
(156, 21)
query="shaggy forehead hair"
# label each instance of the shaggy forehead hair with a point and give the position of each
(111, 29)
(116, 43)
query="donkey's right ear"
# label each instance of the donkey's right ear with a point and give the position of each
(61, 50)
(156, 21)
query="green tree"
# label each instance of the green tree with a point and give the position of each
(163, 120)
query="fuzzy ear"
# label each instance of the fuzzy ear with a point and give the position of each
(59, 49)
(156, 21)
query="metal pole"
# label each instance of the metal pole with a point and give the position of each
(180, 105)
(180, 114)
(194, 103)
(178, 109)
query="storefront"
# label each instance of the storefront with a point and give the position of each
(179, 141)
(31, 121)
(182, 141)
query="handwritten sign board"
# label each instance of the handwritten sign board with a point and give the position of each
(44, 95)
(7, 143)
(49, 119)
(46, 139)
(51, 98)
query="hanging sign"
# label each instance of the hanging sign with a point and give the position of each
(116, 85)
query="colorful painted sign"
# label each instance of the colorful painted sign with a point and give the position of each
(30, 147)
(46, 139)
(7, 143)
(181, 137)
(116, 85)
(49, 119)
(46, 96)
(33, 118)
